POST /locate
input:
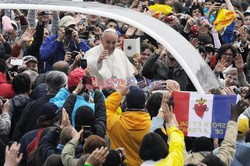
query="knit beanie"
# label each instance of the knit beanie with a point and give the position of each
(135, 99)
(7, 27)
(49, 111)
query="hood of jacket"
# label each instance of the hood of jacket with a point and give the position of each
(135, 120)
(20, 101)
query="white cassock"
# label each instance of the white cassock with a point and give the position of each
(116, 66)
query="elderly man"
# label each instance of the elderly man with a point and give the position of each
(107, 62)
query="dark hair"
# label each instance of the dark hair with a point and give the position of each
(194, 7)
(212, 160)
(54, 160)
(93, 142)
(21, 83)
(202, 144)
(3, 66)
(111, 20)
(153, 147)
(113, 159)
(224, 48)
(177, 7)
(84, 116)
(153, 104)
(244, 5)
(106, 91)
(43, 121)
(215, 91)
(147, 46)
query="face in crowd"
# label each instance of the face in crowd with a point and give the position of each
(247, 21)
(196, 13)
(112, 25)
(32, 65)
(109, 41)
(228, 56)
(145, 55)
(238, 20)
(45, 33)
(231, 80)
(208, 4)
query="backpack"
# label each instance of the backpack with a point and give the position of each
(34, 144)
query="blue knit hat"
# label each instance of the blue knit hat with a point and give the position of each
(49, 110)
(135, 99)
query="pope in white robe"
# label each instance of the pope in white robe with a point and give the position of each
(108, 62)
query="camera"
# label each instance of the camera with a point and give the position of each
(90, 28)
(198, 22)
(74, 54)
(219, 1)
(209, 49)
(87, 80)
(237, 90)
(68, 31)
(247, 29)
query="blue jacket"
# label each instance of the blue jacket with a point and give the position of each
(241, 154)
(52, 51)
(62, 95)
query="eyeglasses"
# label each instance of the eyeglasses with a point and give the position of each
(238, 18)
(227, 54)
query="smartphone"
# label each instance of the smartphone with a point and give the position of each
(16, 62)
(83, 64)
(86, 132)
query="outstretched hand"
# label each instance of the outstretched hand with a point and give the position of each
(238, 109)
(167, 110)
(12, 156)
(65, 119)
(98, 156)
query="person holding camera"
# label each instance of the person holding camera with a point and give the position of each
(66, 40)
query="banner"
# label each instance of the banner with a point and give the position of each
(203, 114)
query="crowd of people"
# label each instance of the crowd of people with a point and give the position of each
(69, 94)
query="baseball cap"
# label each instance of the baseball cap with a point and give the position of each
(28, 58)
(243, 124)
(75, 76)
(246, 13)
(67, 21)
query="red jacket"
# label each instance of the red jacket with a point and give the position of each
(6, 89)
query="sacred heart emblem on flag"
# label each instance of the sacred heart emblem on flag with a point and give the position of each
(200, 107)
